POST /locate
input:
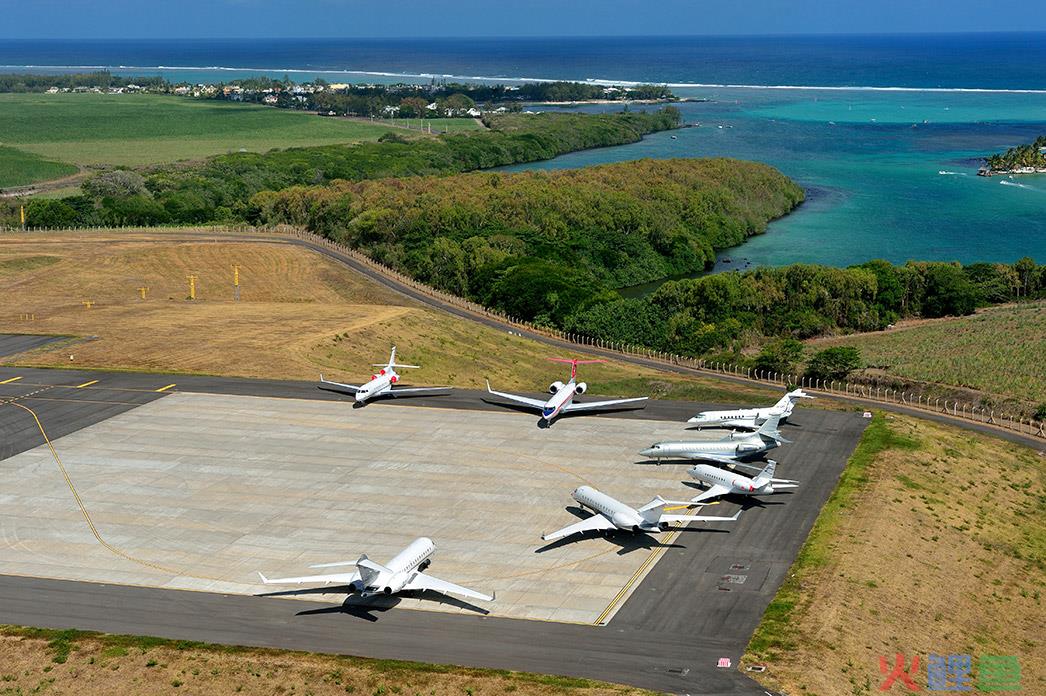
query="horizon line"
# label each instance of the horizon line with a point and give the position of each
(449, 37)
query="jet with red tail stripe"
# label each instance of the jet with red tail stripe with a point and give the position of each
(382, 384)
(562, 400)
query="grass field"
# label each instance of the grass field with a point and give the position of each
(933, 543)
(72, 662)
(299, 314)
(967, 352)
(137, 129)
(18, 168)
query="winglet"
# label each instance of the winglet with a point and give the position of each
(737, 514)
(489, 390)
(264, 579)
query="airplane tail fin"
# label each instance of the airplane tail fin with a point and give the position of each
(369, 570)
(769, 429)
(651, 512)
(766, 475)
(392, 362)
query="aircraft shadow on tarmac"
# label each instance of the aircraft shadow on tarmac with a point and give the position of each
(542, 423)
(626, 541)
(366, 608)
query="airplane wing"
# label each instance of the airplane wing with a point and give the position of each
(421, 581)
(714, 458)
(534, 403)
(589, 524)
(592, 405)
(746, 423)
(337, 386)
(330, 579)
(417, 391)
(714, 491)
(699, 518)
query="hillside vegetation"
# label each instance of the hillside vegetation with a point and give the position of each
(299, 314)
(730, 312)
(220, 188)
(965, 352)
(541, 244)
(934, 543)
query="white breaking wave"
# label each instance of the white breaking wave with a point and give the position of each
(947, 173)
(502, 78)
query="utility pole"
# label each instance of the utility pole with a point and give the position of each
(22, 213)
(88, 303)
(192, 286)
(142, 291)
(236, 282)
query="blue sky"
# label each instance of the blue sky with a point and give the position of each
(396, 18)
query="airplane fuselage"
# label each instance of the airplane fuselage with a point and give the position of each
(622, 516)
(560, 400)
(379, 384)
(402, 566)
(734, 449)
(737, 483)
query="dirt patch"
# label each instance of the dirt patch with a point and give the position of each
(121, 665)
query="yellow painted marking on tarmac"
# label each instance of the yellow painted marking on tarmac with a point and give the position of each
(87, 516)
(8, 381)
(86, 384)
(163, 389)
(646, 565)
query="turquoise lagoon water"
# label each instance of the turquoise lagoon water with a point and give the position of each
(888, 174)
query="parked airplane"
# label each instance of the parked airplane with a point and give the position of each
(750, 418)
(381, 384)
(612, 515)
(730, 449)
(722, 482)
(562, 400)
(403, 573)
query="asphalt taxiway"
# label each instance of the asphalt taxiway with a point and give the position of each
(699, 602)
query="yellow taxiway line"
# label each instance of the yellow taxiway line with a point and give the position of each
(8, 381)
(163, 389)
(86, 384)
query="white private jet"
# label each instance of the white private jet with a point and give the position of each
(750, 418)
(403, 573)
(381, 384)
(727, 450)
(722, 482)
(612, 515)
(562, 400)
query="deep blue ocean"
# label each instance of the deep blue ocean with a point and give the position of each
(885, 132)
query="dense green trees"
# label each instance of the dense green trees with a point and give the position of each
(489, 235)
(220, 188)
(833, 363)
(1023, 156)
(730, 312)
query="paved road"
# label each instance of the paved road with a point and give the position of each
(701, 601)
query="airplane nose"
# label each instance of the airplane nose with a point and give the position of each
(648, 452)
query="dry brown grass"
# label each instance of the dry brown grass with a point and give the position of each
(299, 314)
(940, 549)
(103, 666)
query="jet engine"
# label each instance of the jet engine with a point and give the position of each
(387, 590)
(357, 587)
(582, 387)
(663, 526)
(747, 447)
(555, 387)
